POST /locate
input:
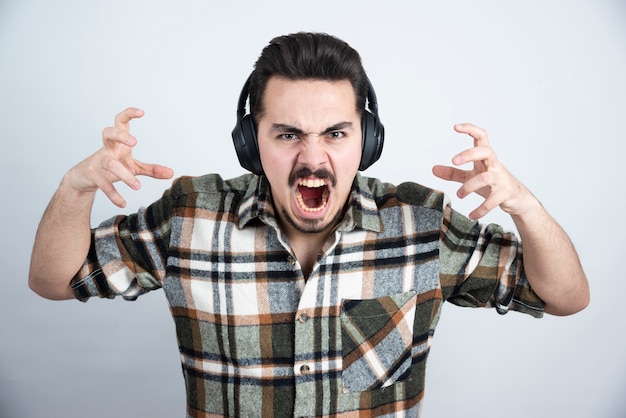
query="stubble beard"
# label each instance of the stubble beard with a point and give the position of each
(312, 226)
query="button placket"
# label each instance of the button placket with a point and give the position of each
(303, 324)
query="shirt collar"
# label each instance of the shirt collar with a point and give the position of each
(362, 211)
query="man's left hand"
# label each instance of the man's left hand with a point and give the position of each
(488, 177)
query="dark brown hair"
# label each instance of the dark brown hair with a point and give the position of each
(306, 55)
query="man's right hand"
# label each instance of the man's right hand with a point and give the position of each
(115, 162)
(63, 237)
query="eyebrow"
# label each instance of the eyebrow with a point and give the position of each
(282, 127)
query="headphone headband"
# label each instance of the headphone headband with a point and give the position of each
(243, 98)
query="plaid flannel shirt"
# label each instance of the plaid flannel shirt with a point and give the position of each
(257, 338)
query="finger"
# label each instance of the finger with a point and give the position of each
(118, 171)
(123, 118)
(115, 134)
(111, 193)
(481, 183)
(479, 134)
(487, 206)
(156, 171)
(479, 153)
(450, 173)
(478, 213)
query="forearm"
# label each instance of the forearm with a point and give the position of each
(551, 262)
(62, 242)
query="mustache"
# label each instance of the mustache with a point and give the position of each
(303, 172)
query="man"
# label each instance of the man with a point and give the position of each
(304, 288)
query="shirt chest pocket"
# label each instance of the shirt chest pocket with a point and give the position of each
(376, 338)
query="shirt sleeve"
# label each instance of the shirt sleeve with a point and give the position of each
(482, 266)
(127, 256)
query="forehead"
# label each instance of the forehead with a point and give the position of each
(308, 98)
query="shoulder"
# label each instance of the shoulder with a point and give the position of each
(212, 184)
(408, 193)
(210, 192)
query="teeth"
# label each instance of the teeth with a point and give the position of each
(312, 183)
(312, 210)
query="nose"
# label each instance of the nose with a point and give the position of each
(313, 153)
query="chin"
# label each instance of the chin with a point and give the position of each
(312, 225)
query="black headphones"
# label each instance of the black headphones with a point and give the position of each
(247, 147)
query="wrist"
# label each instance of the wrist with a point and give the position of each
(532, 213)
(71, 196)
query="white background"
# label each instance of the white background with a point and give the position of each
(545, 78)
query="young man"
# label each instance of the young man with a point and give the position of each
(304, 288)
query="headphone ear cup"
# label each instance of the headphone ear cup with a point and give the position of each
(373, 133)
(246, 145)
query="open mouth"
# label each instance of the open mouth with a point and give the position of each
(312, 195)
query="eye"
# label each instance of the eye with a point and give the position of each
(336, 134)
(288, 137)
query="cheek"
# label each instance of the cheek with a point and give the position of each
(277, 168)
(271, 152)
(348, 162)
(268, 158)
(345, 170)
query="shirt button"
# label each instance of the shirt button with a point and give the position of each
(303, 317)
(291, 260)
(305, 369)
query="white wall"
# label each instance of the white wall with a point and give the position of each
(545, 78)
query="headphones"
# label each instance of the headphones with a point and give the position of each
(247, 146)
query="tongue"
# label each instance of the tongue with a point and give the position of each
(312, 196)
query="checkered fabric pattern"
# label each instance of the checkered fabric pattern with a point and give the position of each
(257, 338)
